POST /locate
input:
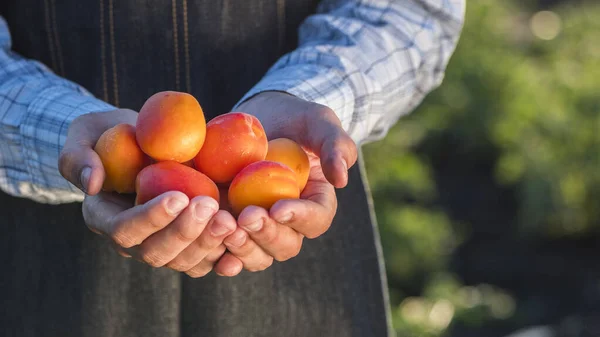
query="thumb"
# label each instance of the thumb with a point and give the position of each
(81, 166)
(336, 150)
(78, 162)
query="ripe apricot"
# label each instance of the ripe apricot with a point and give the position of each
(171, 126)
(121, 157)
(166, 176)
(233, 141)
(289, 153)
(262, 184)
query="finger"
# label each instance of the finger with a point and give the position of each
(99, 209)
(221, 225)
(164, 245)
(228, 265)
(279, 241)
(132, 226)
(312, 214)
(246, 250)
(206, 265)
(328, 140)
(78, 162)
(81, 165)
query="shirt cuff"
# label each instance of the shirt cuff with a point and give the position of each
(318, 84)
(44, 132)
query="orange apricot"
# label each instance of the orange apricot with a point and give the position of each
(171, 126)
(233, 141)
(262, 184)
(121, 157)
(166, 176)
(289, 153)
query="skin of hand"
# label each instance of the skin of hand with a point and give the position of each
(168, 231)
(278, 233)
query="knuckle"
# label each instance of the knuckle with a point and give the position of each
(154, 223)
(282, 256)
(316, 231)
(216, 254)
(86, 212)
(264, 264)
(297, 248)
(325, 111)
(185, 233)
(198, 271)
(123, 239)
(178, 266)
(285, 254)
(271, 236)
(152, 259)
(65, 163)
(205, 242)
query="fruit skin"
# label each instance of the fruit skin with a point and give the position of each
(233, 141)
(262, 184)
(121, 157)
(171, 126)
(291, 154)
(166, 176)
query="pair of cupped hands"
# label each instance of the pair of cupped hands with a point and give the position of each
(195, 236)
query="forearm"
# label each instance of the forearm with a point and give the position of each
(370, 61)
(36, 108)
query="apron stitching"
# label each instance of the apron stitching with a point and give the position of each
(112, 50)
(103, 52)
(56, 38)
(49, 35)
(281, 23)
(188, 81)
(176, 43)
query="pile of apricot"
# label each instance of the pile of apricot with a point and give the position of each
(172, 148)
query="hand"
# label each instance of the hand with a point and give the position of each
(279, 232)
(167, 231)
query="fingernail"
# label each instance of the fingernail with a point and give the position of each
(86, 173)
(285, 218)
(218, 229)
(237, 239)
(203, 213)
(176, 205)
(344, 164)
(255, 226)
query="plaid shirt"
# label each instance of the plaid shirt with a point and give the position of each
(371, 61)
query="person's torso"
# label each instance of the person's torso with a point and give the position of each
(66, 281)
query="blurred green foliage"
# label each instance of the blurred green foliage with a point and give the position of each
(521, 96)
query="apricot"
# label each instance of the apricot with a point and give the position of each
(171, 126)
(121, 157)
(233, 141)
(262, 184)
(166, 176)
(289, 153)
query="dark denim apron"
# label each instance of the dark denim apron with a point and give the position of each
(59, 279)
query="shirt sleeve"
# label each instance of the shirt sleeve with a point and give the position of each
(36, 109)
(370, 61)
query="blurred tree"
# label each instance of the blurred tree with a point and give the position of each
(501, 160)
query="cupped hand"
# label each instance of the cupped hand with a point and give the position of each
(279, 232)
(168, 231)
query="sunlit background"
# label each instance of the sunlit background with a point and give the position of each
(488, 195)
